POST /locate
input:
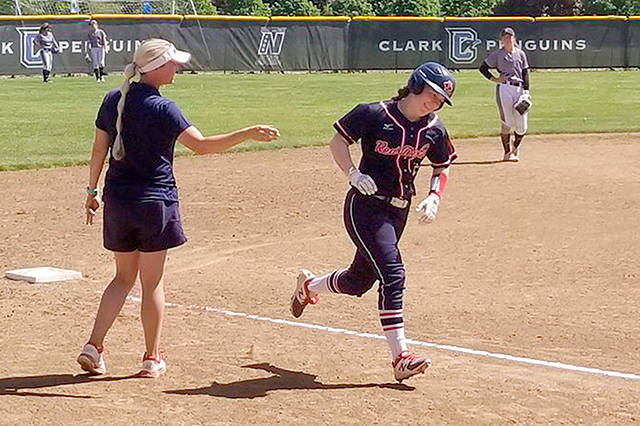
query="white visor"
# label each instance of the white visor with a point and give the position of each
(173, 55)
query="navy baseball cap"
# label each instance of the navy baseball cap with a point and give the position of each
(507, 30)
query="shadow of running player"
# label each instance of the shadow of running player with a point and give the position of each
(14, 386)
(281, 380)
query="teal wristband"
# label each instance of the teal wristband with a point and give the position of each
(93, 191)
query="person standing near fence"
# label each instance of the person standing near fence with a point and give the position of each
(396, 135)
(512, 91)
(141, 214)
(48, 45)
(98, 45)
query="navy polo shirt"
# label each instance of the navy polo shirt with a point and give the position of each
(394, 147)
(151, 125)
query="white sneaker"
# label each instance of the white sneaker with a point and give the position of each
(91, 360)
(301, 298)
(514, 157)
(152, 366)
(408, 364)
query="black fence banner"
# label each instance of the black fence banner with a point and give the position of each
(326, 43)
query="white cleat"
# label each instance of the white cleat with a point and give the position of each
(91, 360)
(152, 366)
(507, 156)
(408, 364)
(301, 298)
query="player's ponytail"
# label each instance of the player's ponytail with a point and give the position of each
(145, 53)
(118, 146)
(403, 92)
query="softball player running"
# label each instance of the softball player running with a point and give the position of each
(48, 46)
(512, 89)
(97, 42)
(396, 136)
(141, 215)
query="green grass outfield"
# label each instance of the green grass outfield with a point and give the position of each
(52, 125)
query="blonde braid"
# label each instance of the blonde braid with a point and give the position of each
(118, 146)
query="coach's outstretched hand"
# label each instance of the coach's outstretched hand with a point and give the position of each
(264, 133)
(429, 208)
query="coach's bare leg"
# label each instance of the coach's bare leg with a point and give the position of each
(152, 311)
(114, 296)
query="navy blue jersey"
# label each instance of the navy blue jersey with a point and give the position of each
(151, 125)
(394, 147)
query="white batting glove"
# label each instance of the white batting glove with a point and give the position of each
(429, 208)
(363, 183)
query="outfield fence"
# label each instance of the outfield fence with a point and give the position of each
(243, 43)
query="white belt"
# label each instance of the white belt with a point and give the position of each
(400, 203)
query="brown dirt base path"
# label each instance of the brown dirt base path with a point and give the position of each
(537, 259)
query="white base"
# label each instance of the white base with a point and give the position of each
(45, 274)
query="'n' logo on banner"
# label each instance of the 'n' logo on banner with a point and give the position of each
(271, 41)
(270, 47)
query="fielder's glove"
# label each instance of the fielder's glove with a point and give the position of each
(87, 58)
(524, 103)
(429, 208)
(363, 183)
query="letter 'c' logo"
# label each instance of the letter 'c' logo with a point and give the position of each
(29, 56)
(463, 44)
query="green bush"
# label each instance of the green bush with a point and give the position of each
(348, 8)
(407, 7)
(246, 7)
(204, 7)
(467, 7)
(539, 8)
(611, 7)
(293, 8)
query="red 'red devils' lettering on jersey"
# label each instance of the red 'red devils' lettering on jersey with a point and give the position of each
(393, 147)
(407, 151)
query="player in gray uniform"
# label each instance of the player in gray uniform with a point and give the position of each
(48, 46)
(97, 49)
(512, 90)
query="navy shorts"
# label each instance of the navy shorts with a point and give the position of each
(144, 226)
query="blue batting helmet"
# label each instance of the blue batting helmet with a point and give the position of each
(436, 76)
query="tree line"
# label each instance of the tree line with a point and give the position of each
(426, 7)
(344, 7)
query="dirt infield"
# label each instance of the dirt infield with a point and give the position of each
(537, 259)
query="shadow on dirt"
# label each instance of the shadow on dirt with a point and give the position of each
(15, 386)
(281, 380)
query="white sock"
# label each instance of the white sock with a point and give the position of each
(394, 332)
(325, 284)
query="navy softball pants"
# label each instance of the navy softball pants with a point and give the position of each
(375, 227)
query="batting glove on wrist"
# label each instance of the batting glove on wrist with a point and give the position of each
(363, 183)
(429, 208)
